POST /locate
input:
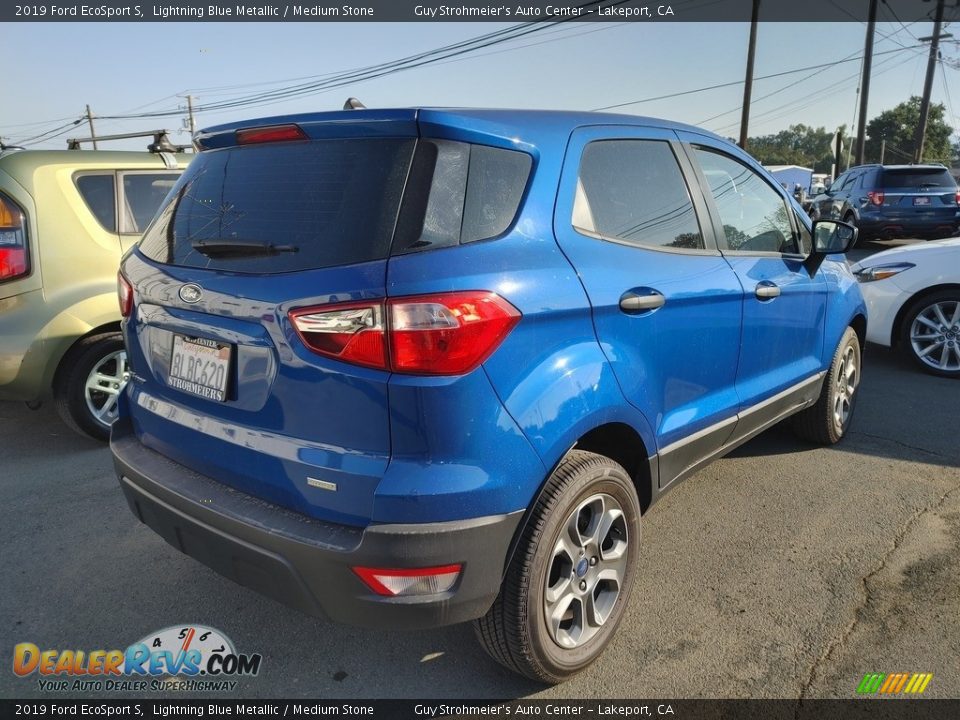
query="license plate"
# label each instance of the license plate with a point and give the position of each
(200, 367)
(921, 201)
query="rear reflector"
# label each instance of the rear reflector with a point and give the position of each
(442, 334)
(124, 296)
(392, 582)
(271, 133)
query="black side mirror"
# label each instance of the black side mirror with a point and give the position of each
(829, 237)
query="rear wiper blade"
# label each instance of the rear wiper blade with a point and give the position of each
(240, 247)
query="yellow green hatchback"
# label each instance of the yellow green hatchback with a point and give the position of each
(66, 217)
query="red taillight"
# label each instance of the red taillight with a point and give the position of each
(14, 259)
(352, 332)
(957, 197)
(13, 262)
(447, 334)
(876, 197)
(124, 295)
(409, 581)
(272, 133)
(443, 334)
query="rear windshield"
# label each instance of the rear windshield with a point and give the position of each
(918, 178)
(286, 206)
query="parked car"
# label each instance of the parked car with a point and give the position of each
(65, 219)
(406, 368)
(913, 295)
(894, 201)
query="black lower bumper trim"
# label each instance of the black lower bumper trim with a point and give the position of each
(306, 563)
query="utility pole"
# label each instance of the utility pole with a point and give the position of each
(883, 149)
(193, 126)
(865, 83)
(928, 83)
(748, 82)
(838, 155)
(93, 135)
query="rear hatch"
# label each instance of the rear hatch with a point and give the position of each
(262, 223)
(919, 194)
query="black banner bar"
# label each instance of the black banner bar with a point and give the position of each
(872, 709)
(461, 11)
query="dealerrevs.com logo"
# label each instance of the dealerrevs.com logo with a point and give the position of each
(181, 657)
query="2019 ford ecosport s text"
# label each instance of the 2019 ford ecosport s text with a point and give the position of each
(405, 368)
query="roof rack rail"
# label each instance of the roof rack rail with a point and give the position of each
(161, 141)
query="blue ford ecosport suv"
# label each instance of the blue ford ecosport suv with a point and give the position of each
(404, 368)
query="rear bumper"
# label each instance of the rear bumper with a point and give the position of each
(303, 562)
(894, 227)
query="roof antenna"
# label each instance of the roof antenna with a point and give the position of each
(353, 104)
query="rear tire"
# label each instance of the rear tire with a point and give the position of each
(826, 422)
(89, 382)
(568, 583)
(929, 342)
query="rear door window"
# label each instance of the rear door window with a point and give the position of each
(632, 191)
(98, 191)
(280, 207)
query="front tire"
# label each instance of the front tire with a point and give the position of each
(89, 383)
(930, 333)
(826, 422)
(571, 574)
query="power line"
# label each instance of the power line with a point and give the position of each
(738, 82)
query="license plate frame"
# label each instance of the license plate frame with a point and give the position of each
(200, 366)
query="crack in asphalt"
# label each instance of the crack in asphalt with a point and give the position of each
(838, 642)
(902, 444)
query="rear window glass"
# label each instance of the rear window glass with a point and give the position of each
(460, 193)
(284, 206)
(920, 179)
(98, 193)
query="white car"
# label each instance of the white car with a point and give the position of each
(913, 302)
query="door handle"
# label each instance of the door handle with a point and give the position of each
(767, 290)
(641, 300)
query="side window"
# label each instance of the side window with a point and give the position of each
(755, 217)
(142, 195)
(851, 181)
(633, 191)
(97, 191)
(459, 193)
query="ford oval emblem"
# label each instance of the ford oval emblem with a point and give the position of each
(191, 293)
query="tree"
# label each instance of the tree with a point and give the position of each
(898, 127)
(798, 145)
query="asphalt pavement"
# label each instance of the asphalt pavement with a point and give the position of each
(784, 570)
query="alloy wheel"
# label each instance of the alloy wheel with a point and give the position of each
(935, 335)
(586, 571)
(104, 384)
(848, 377)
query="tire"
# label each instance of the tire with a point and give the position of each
(827, 421)
(941, 341)
(596, 496)
(90, 379)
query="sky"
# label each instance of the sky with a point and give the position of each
(53, 70)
